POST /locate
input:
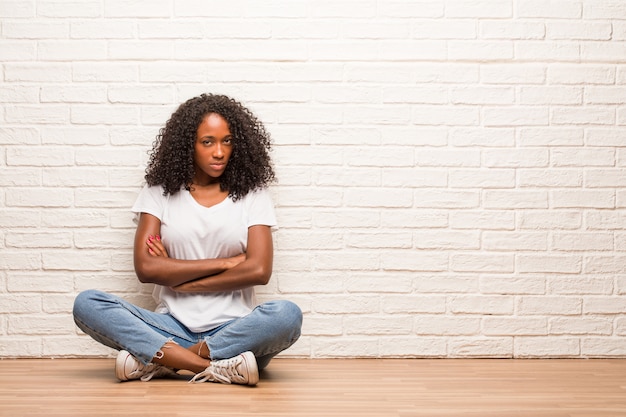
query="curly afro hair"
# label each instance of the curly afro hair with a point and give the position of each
(171, 163)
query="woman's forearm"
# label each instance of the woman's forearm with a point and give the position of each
(244, 275)
(172, 272)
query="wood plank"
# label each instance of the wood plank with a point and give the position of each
(333, 387)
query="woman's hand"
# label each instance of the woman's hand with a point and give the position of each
(155, 246)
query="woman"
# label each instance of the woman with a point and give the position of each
(204, 238)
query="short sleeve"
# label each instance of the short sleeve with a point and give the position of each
(260, 209)
(150, 200)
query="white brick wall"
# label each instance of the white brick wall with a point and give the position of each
(452, 172)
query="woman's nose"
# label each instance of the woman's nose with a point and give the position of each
(218, 151)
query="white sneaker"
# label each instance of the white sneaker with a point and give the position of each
(241, 369)
(127, 368)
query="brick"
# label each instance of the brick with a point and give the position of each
(446, 199)
(351, 218)
(82, 261)
(563, 264)
(518, 116)
(390, 157)
(560, 9)
(447, 158)
(104, 72)
(20, 177)
(360, 282)
(480, 347)
(482, 178)
(414, 261)
(514, 326)
(543, 305)
(443, 29)
(511, 284)
(375, 240)
(581, 74)
(39, 324)
(339, 304)
(20, 346)
(17, 9)
(508, 29)
(376, 325)
(75, 218)
(446, 240)
(417, 95)
(602, 347)
(514, 241)
(412, 304)
(322, 325)
(582, 199)
(480, 50)
(20, 304)
(411, 218)
(414, 347)
(39, 239)
(75, 347)
(429, 283)
(604, 137)
(496, 199)
(370, 197)
(522, 158)
(547, 347)
(482, 262)
(488, 137)
(413, 177)
(553, 95)
(402, 9)
(512, 74)
(551, 136)
(100, 114)
(346, 347)
(582, 241)
(347, 260)
(581, 326)
(578, 285)
(482, 95)
(485, 220)
(440, 325)
(39, 282)
(590, 157)
(39, 197)
(446, 116)
(578, 30)
(550, 178)
(149, 94)
(94, 29)
(602, 264)
(41, 114)
(19, 217)
(481, 304)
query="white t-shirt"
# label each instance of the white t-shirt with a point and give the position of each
(190, 231)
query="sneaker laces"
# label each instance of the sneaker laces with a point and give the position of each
(219, 371)
(156, 371)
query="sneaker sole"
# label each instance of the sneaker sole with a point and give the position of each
(253, 370)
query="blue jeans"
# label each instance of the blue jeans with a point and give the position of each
(268, 330)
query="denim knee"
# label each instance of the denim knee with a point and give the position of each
(287, 314)
(83, 303)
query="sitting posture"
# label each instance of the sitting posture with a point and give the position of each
(204, 238)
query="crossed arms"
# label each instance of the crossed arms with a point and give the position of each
(153, 265)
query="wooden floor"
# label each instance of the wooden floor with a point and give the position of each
(335, 387)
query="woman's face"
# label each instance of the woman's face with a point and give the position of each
(213, 148)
